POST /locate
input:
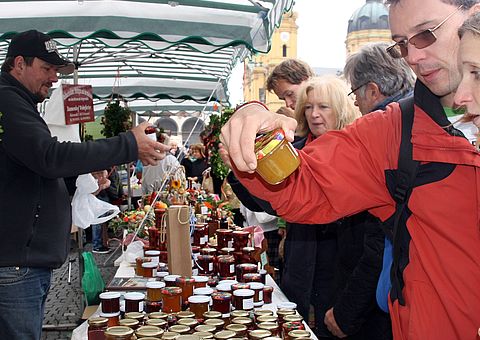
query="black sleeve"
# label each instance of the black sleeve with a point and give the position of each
(357, 299)
(251, 202)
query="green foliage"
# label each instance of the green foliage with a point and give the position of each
(116, 119)
(219, 169)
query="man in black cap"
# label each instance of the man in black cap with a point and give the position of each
(35, 212)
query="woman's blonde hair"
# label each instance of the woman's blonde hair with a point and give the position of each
(198, 147)
(334, 92)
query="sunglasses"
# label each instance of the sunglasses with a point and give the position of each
(357, 88)
(419, 40)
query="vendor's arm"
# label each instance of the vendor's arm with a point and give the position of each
(341, 173)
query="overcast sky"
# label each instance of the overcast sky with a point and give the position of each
(322, 30)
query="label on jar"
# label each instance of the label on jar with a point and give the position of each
(226, 315)
(204, 239)
(232, 268)
(247, 304)
(210, 267)
(140, 306)
(195, 271)
(204, 210)
(230, 244)
(260, 295)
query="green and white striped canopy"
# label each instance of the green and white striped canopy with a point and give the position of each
(183, 49)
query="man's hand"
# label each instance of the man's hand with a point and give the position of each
(332, 324)
(238, 134)
(102, 180)
(149, 151)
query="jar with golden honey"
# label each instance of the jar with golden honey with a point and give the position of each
(119, 333)
(138, 265)
(187, 285)
(154, 290)
(113, 318)
(171, 299)
(149, 269)
(199, 305)
(96, 328)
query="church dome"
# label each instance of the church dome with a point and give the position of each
(372, 15)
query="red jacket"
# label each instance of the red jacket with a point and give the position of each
(343, 173)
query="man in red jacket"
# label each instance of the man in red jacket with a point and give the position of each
(344, 172)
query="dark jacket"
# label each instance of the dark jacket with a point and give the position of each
(35, 211)
(195, 168)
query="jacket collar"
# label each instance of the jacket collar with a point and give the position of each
(433, 139)
(11, 80)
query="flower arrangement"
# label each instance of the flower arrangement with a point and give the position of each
(130, 221)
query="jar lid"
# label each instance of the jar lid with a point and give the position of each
(243, 292)
(268, 325)
(155, 284)
(157, 315)
(135, 315)
(205, 257)
(185, 314)
(188, 337)
(185, 279)
(171, 277)
(109, 295)
(242, 320)
(272, 338)
(200, 278)
(98, 321)
(152, 253)
(208, 250)
(224, 231)
(119, 331)
(285, 312)
(170, 335)
(239, 313)
(250, 266)
(157, 322)
(240, 233)
(223, 296)
(292, 318)
(149, 331)
(267, 318)
(225, 258)
(266, 143)
(256, 285)
(261, 312)
(171, 291)
(149, 265)
(109, 315)
(230, 282)
(134, 296)
(224, 287)
(203, 291)
(198, 299)
(179, 329)
(214, 322)
(227, 250)
(162, 274)
(236, 327)
(213, 314)
(248, 250)
(129, 323)
(259, 333)
(286, 305)
(190, 322)
(205, 328)
(204, 335)
(252, 276)
(299, 333)
(224, 335)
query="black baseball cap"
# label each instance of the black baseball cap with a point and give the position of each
(37, 44)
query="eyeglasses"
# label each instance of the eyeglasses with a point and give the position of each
(357, 88)
(419, 40)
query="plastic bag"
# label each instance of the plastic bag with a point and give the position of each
(134, 250)
(92, 281)
(86, 208)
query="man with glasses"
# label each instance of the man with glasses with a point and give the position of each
(344, 172)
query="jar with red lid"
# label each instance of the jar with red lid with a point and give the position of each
(96, 328)
(205, 264)
(221, 302)
(224, 238)
(244, 268)
(172, 299)
(226, 265)
(240, 239)
(187, 285)
(200, 235)
(252, 277)
(243, 299)
(267, 294)
(240, 285)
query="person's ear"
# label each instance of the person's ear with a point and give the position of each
(372, 91)
(474, 9)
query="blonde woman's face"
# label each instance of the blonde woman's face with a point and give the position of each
(468, 92)
(319, 114)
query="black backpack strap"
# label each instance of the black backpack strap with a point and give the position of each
(405, 179)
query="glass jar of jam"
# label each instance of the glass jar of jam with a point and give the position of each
(153, 238)
(287, 327)
(200, 235)
(243, 299)
(160, 323)
(200, 281)
(172, 299)
(267, 294)
(240, 239)
(205, 264)
(224, 287)
(170, 335)
(158, 315)
(205, 328)
(110, 302)
(239, 313)
(226, 265)
(245, 268)
(170, 280)
(212, 315)
(189, 322)
(199, 305)
(218, 323)
(154, 290)
(272, 327)
(263, 274)
(149, 331)
(257, 287)
(240, 330)
(96, 328)
(256, 334)
(132, 323)
(242, 320)
(205, 291)
(227, 251)
(221, 302)
(247, 255)
(276, 157)
(118, 333)
(252, 277)
(208, 251)
(298, 334)
(134, 302)
(180, 329)
(266, 318)
(153, 306)
(240, 285)
(222, 335)
(140, 317)
(138, 265)
(149, 269)
(187, 285)
(153, 255)
(164, 256)
(224, 238)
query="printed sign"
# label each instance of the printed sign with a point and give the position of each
(78, 104)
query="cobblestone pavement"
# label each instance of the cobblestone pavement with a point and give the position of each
(64, 306)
